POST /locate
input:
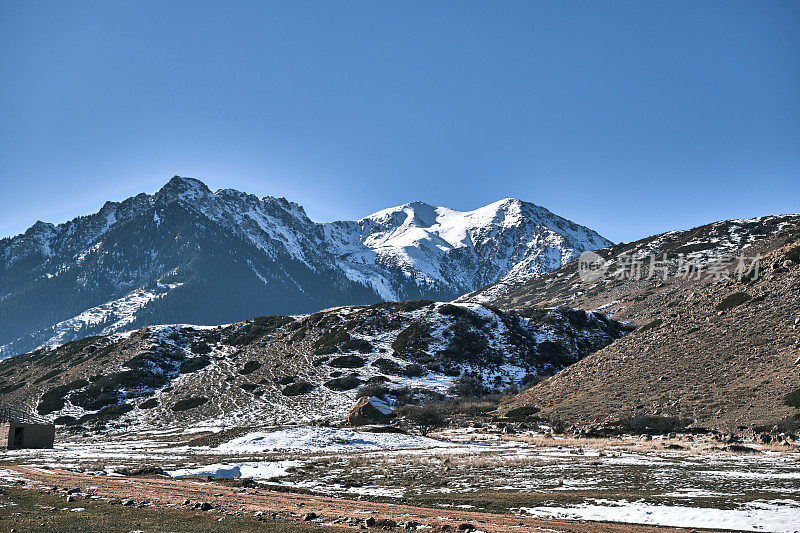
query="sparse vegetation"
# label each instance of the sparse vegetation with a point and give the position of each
(792, 399)
(387, 366)
(189, 403)
(298, 388)
(347, 361)
(525, 412)
(194, 364)
(412, 341)
(653, 324)
(424, 418)
(734, 300)
(344, 383)
(41, 511)
(249, 367)
(329, 342)
(151, 403)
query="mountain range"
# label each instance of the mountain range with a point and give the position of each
(187, 254)
(716, 346)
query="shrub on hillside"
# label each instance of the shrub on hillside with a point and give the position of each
(47, 376)
(653, 324)
(412, 341)
(373, 389)
(149, 404)
(652, 424)
(524, 412)
(194, 364)
(297, 388)
(152, 361)
(793, 254)
(424, 418)
(329, 342)
(468, 386)
(407, 306)
(108, 389)
(250, 367)
(107, 413)
(256, 328)
(200, 348)
(414, 370)
(792, 399)
(387, 366)
(55, 398)
(357, 345)
(96, 397)
(347, 361)
(734, 300)
(189, 403)
(344, 383)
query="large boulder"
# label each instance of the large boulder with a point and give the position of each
(369, 410)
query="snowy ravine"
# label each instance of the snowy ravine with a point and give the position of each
(191, 255)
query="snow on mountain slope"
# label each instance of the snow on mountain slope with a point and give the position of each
(278, 370)
(230, 255)
(274, 225)
(440, 247)
(111, 316)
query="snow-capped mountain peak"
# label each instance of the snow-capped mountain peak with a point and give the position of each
(441, 247)
(184, 189)
(193, 255)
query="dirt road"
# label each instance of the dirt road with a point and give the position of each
(161, 492)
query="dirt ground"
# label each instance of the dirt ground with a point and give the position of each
(236, 500)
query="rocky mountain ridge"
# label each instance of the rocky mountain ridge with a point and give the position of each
(187, 254)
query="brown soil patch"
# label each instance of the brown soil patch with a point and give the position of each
(288, 506)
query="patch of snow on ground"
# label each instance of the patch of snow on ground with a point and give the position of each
(254, 470)
(314, 439)
(773, 516)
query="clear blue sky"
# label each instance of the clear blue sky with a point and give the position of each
(630, 117)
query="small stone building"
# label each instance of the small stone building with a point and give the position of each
(21, 430)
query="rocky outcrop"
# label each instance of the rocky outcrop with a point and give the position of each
(369, 410)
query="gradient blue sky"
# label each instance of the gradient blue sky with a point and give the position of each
(629, 117)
